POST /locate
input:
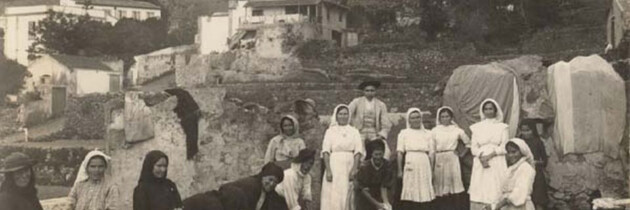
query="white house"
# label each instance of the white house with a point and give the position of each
(78, 74)
(223, 30)
(20, 17)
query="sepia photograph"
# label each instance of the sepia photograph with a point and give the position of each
(314, 104)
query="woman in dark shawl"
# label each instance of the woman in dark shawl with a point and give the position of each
(528, 132)
(18, 189)
(251, 193)
(154, 190)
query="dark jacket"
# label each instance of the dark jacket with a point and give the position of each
(239, 195)
(12, 201)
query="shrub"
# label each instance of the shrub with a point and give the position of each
(85, 116)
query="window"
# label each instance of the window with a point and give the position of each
(341, 16)
(122, 14)
(289, 10)
(150, 14)
(303, 10)
(327, 14)
(31, 30)
(136, 15)
(108, 12)
(257, 12)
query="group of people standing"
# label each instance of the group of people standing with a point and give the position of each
(359, 170)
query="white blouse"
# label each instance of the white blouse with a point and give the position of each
(342, 139)
(415, 140)
(489, 136)
(446, 137)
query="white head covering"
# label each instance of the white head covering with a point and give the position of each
(83, 175)
(499, 114)
(296, 126)
(333, 118)
(439, 111)
(525, 151)
(409, 111)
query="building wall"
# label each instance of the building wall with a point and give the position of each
(17, 40)
(235, 16)
(92, 81)
(214, 33)
(59, 74)
(615, 26)
(156, 64)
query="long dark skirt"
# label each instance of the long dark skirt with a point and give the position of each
(452, 202)
(408, 205)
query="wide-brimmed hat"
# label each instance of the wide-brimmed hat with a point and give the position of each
(304, 155)
(374, 83)
(16, 161)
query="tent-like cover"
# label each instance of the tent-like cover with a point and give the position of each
(590, 102)
(502, 81)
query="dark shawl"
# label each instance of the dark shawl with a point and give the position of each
(242, 194)
(13, 197)
(535, 144)
(154, 193)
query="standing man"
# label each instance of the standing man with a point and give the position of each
(369, 115)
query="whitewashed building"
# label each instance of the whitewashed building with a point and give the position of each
(20, 17)
(224, 30)
(78, 75)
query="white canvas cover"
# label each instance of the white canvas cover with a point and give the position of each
(589, 99)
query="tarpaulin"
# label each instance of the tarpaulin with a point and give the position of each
(469, 85)
(589, 99)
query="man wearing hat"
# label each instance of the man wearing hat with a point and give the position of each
(369, 115)
(296, 185)
(17, 191)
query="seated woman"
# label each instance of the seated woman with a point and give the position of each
(286, 145)
(251, 193)
(92, 188)
(18, 192)
(517, 188)
(374, 180)
(154, 191)
(296, 186)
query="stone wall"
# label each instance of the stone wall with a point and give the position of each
(233, 137)
(155, 64)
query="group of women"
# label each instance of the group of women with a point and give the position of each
(506, 174)
(357, 174)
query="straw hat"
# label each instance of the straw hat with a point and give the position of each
(16, 161)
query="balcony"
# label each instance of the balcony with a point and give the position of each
(251, 22)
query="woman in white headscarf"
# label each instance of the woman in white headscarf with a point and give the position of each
(489, 137)
(286, 145)
(342, 150)
(415, 145)
(447, 174)
(518, 186)
(93, 188)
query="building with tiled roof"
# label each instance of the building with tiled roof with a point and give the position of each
(20, 17)
(225, 30)
(78, 74)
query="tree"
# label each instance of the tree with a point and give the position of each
(11, 77)
(434, 18)
(69, 34)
